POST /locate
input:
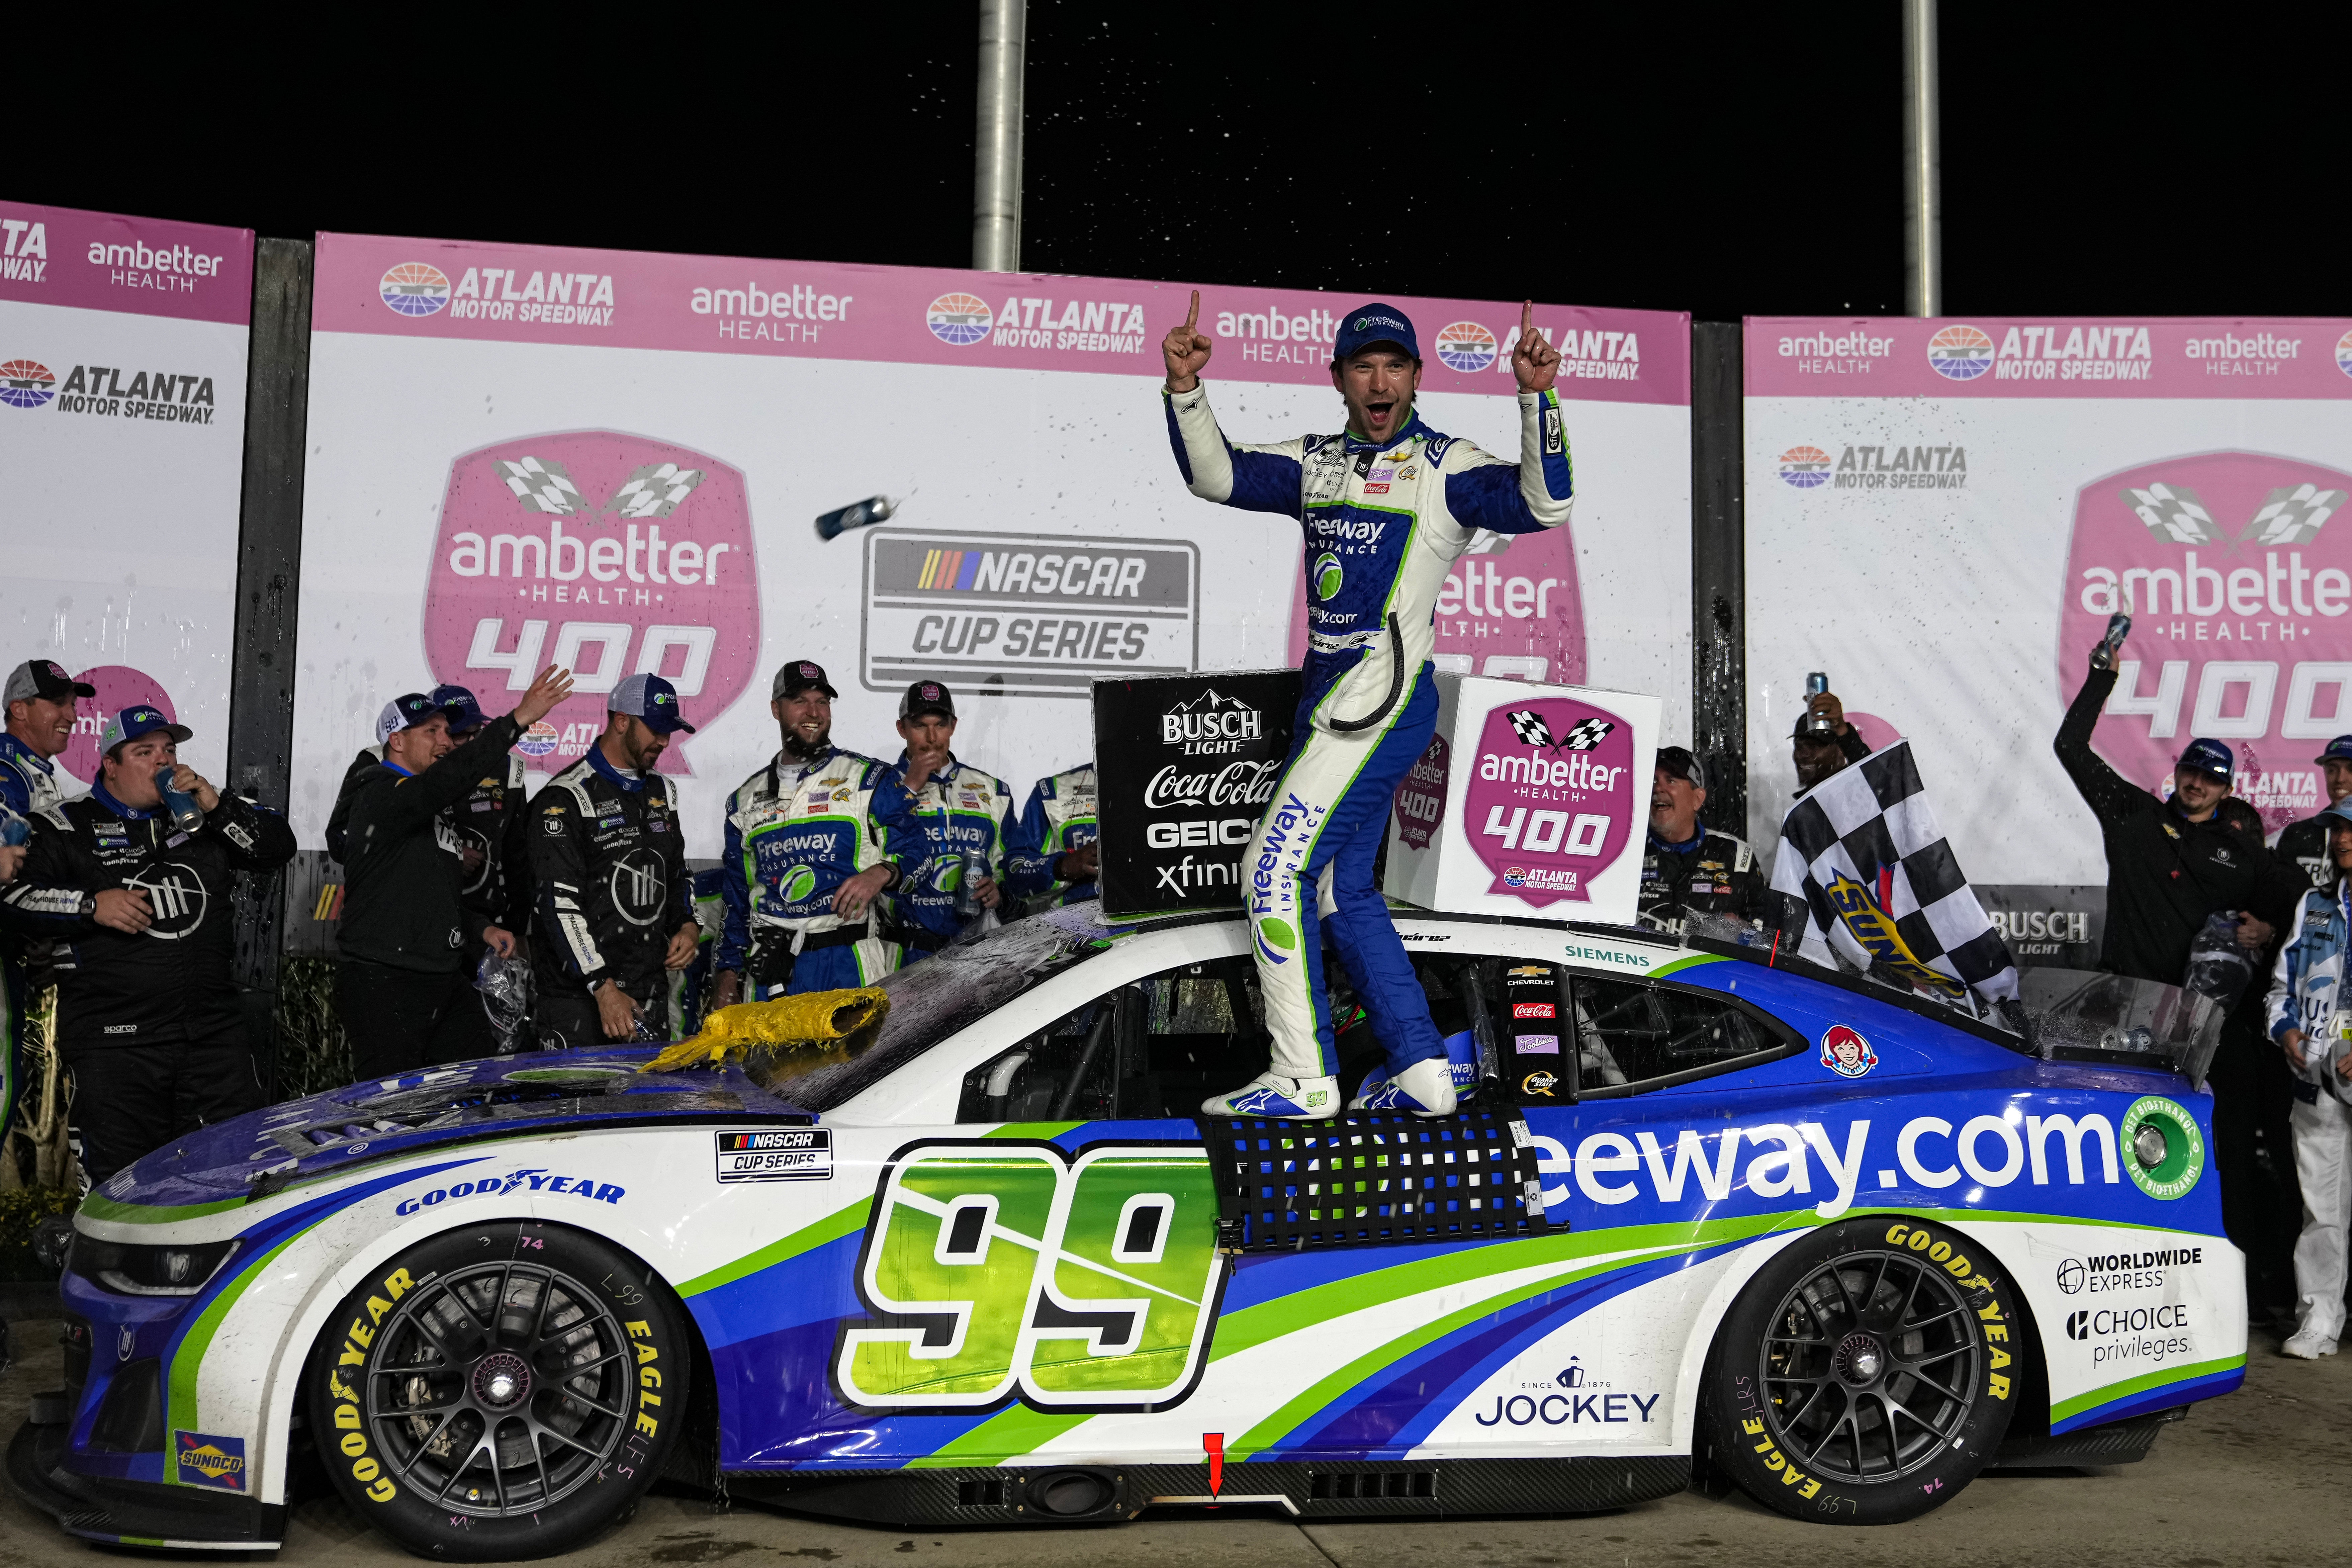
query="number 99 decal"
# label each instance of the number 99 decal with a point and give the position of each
(997, 1269)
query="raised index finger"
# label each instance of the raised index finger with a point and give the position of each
(1193, 315)
(1527, 317)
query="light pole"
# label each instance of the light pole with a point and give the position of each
(1923, 171)
(996, 150)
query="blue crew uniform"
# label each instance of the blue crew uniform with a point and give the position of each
(1059, 817)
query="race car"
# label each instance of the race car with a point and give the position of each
(1839, 1244)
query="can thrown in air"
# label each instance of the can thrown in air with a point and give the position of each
(975, 867)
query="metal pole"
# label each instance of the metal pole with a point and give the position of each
(1923, 165)
(1718, 575)
(996, 150)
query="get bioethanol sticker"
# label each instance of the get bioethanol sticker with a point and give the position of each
(2177, 1148)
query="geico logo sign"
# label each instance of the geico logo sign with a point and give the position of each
(997, 1269)
(1199, 835)
(176, 897)
(1829, 1165)
(1029, 613)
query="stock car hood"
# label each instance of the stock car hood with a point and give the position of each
(325, 1135)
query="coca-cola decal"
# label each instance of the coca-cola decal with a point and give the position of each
(1420, 798)
(2237, 572)
(609, 554)
(1551, 802)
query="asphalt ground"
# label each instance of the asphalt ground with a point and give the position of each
(2263, 1476)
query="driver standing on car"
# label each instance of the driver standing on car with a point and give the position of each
(1385, 505)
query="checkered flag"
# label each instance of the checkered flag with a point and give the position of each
(2173, 513)
(2293, 516)
(654, 490)
(541, 484)
(1884, 892)
(1587, 735)
(1530, 726)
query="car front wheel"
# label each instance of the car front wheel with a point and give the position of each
(1865, 1375)
(500, 1392)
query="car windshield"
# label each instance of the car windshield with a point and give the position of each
(933, 999)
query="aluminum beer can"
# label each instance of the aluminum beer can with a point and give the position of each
(975, 866)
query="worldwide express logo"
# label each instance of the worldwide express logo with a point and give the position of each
(26, 385)
(415, 288)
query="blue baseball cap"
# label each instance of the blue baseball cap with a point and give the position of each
(652, 699)
(466, 715)
(133, 723)
(2209, 757)
(2339, 750)
(2341, 810)
(1375, 323)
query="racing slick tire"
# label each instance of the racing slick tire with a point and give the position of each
(500, 1391)
(1865, 1375)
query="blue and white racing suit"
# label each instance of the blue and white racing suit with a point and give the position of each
(1059, 817)
(795, 832)
(2307, 993)
(960, 808)
(1381, 522)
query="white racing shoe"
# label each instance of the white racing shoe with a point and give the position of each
(1284, 1098)
(2310, 1345)
(1425, 1089)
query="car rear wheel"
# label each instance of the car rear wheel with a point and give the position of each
(500, 1392)
(1865, 1375)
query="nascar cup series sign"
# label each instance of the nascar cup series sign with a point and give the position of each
(1529, 797)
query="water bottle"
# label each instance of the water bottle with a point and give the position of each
(186, 815)
(872, 509)
(975, 866)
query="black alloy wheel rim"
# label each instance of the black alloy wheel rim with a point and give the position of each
(498, 1389)
(1870, 1367)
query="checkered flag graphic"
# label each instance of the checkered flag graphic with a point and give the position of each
(654, 490)
(1587, 735)
(2173, 513)
(1530, 726)
(541, 484)
(1883, 889)
(2293, 516)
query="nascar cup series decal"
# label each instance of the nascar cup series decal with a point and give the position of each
(610, 555)
(1550, 803)
(2240, 591)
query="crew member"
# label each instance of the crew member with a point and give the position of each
(963, 811)
(38, 703)
(1052, 858)
(1689, 865)
(814, 840)
(410, 944)
(150, 1021)
(2305, 845)
(1386, 507)
(2170, 863)
(2310, 1020)
(1823, 742)
(615, 905)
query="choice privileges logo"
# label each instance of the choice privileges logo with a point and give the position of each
(26, 385)
(959, 320)
(415, 288)
(1465, 345)
(1805, 468)
(1960, 353)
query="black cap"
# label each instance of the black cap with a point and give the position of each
(47, 680)
(1678, 762)
(797, 676)
(1812, 726)
(926, 697)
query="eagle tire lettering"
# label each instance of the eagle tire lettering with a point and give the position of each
(1001, 1270)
